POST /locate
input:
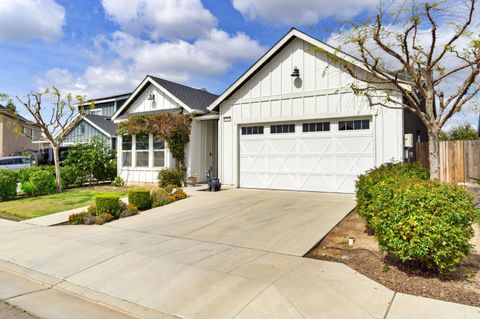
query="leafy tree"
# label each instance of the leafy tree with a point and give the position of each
(92, 162)
(464, 132)
(56, 115)
(422, 56)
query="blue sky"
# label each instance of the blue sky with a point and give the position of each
(103, 47)
(31, 62)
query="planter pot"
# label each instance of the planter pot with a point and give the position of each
(191, 180)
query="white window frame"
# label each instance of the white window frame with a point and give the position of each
(147, 151)
(151, 152)
(164, 150)
(122, 151)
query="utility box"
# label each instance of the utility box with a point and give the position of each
(408, 141)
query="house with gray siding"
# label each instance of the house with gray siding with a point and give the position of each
(97, 123)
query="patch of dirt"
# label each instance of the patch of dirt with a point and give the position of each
(463, 286)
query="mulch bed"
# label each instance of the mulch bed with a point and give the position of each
(463, 286)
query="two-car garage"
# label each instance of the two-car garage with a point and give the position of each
(293, 122)
(322, 155)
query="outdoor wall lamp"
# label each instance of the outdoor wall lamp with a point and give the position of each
(296, 72)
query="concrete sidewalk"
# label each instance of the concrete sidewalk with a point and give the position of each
(162, 264)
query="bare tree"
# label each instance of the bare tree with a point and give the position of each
(56, 115)
(427, 52)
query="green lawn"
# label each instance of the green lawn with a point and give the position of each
(32, 207)
(478, 215)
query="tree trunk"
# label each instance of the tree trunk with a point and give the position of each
(434, 154)
(56, 159)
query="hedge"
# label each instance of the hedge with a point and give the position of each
(140, 198)
(40, 182)
(8, 184)
(107, 203)
(421, 222)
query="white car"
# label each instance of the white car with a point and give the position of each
(15, 162)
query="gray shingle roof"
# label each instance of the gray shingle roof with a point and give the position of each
(195, 98)
(129, 115)
(103, 122)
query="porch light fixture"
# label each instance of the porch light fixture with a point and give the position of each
(151, 97)
(296, 72)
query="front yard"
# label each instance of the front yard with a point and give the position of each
(26, 208)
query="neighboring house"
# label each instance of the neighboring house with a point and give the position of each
(98, 122)
(292, 122)
(11, 141)
(141, 157)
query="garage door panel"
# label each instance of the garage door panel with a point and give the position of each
(250, 146)
(311, 161)
(311, 164)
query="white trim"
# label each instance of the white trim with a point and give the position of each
(100, 101)
(149, 80)
(207, 117)
(276, 48)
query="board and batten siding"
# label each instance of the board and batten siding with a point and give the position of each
(202, 152)
(161, 102)
(321, 92)
(84, 133)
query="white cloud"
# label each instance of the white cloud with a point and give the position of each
(22, 20)
(167, 19)
(210, 55)
(305, 12)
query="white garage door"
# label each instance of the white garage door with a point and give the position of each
(323, 155)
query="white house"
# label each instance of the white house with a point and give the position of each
(292, 122)
(141, 157)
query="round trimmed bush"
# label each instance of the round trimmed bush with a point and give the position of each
(8, 184)
(108, 203)
(171, 176)
(421, 222)
(425, 223)
(140, 198)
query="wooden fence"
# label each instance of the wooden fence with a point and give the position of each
(459, 160)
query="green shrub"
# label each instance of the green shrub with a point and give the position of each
(140, 198)
(40, 182)
(78, 219)
(128, 210)
(71, 177)
(92, 162)
(8, 184)
(171, 176)
(25, 173)
(108, 203)
(421, 222)
(179, 194)
(118, 182)
(384, 175)
(160, 197)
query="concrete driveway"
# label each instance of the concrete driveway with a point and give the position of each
(289, 223)
(229, 255)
